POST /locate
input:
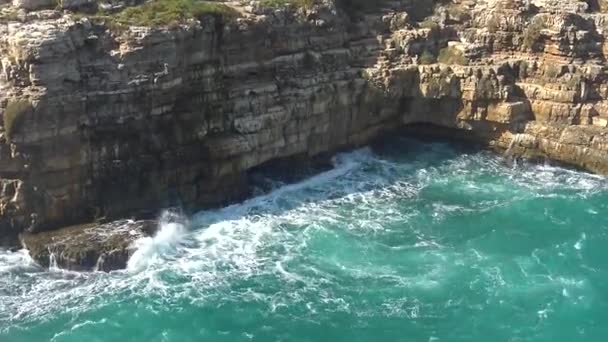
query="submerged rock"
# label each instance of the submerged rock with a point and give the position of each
(91, 247)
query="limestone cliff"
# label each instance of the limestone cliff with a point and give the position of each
(100, 122)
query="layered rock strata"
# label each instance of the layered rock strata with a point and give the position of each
(100, 123)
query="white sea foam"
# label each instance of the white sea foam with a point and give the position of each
(579, 243)
(172, 230)
(53, 263)
(17, 261)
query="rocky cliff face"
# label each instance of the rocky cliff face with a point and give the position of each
(107, 123)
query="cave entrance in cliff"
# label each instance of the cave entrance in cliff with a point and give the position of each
(429, 132)
(414, 140)
(267, 176)
(286, 170)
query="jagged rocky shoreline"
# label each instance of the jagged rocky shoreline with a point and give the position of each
(102, 123)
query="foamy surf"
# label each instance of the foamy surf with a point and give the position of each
(15, 261)
(343, 164)
(228, 231)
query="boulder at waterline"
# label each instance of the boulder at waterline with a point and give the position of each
(89, 247)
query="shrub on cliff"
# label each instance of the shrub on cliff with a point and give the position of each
(282, 3)
(452, 55)
(429, 24)
(533, 33)
(427, 58)
(14, 115)
(553, 71)
(166, 12)
(493, 24)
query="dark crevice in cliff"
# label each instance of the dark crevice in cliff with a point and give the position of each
(432, 132)
(266, 177)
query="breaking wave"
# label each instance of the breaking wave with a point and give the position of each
(173, 228)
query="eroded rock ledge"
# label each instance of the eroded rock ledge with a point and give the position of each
(89, 247)
(106, 123)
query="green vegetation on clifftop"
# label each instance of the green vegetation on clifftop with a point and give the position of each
(157, 13)
(282, 3)
(166, 12)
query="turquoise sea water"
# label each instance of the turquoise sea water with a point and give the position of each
(411, 241)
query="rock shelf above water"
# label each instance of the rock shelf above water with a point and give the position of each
(92, 247)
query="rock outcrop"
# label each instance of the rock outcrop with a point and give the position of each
(90, 247)
(100, 122)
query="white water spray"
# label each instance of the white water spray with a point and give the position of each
(231, 235)
(99, 264)
(173, 227)
(53, 267)
(579, 244)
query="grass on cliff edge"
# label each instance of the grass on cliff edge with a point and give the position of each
(282, 3)
(165, 12)
(168, 12)
(157, 13)
(350, 7)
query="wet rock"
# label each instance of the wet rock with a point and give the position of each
(91, 247)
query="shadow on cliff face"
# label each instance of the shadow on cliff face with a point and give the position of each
(470, 103)
(409, 139)
(279, 187)
(594, 5)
